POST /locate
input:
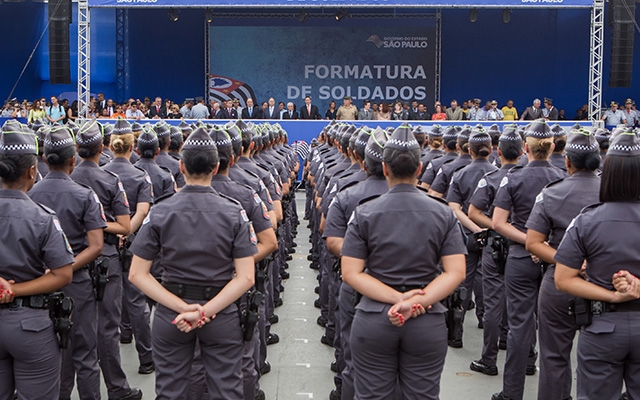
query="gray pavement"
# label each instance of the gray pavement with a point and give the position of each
(300, 363)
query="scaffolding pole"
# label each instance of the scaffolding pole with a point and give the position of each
(596, 56)
(84, 59)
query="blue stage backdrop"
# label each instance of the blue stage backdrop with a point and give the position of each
(377, 59)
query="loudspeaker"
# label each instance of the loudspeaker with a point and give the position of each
(59, 58)
(622, 14)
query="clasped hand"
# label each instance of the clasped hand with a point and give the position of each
(6, 291)
(191, 318)
(627, 286)
(408, 307)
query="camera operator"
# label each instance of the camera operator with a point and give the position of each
(13, 109)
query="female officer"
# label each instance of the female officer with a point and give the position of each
(31, 241)
(113, 198)
(605, 236)
(383, 234)
(450, 140)
(81, 218)
(207, 256)
(161, 178)
(515, 199)
(137, 185)
(555, 207)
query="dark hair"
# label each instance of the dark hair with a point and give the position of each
(199, 162)
(374, 168)
(480, 149)
(88, 152)
(59, 157)
(247, 138)
(540, 148)
(464, 147)
(620, 180)
(175, 143)
(12, 168)
(510, 149)
(403, 164)
(584, 161)
(163, 141)
(560, 143)
(224, 156)
(421, 138)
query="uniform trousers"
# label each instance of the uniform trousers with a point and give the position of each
(346, 311)
(109, 311)
(387, 357)
(608, 354)
(221, 348)
(29, 355)
(521, 277)
(556, 332)
(473, 282)
(494, 307)
(81, 355)
(134, 305)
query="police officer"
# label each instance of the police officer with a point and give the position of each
(463, 184)
(441, 182)
(449, 138)
(202, 279)
(369, 147)
(613, 117)
(480, 211)
(107, 155)
(515, 199)
(81, 218)
(603, 137)
(559, 142)
(161, 178)
(30, 245)
(177, 139)
(604, 235)
(554, 209)
(383, 234)
(433, 147)
(114, 201)
(163, 159)
(138, 186)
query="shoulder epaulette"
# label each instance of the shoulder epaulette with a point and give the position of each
(367, 199)
(554, 182)
(231, 199)
(162, 198)
(46, 209)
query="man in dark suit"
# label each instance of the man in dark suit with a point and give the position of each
(157, 110)
(228, 112)
(413, 111)
(533, 112)
(250, 111)
(422, 115)
(271, 112)
(290, 113)
(309, 111)
(551, 113)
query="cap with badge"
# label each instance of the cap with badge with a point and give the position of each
(58, 138)
(463, 135)
(479, 137)
(603, 136)
(147, 141)
(362, 139)
(435, 131)
(538, 129)
(176, 135)
(626, 144)
(90, 135)
(16, 141)
(376, 144)
(557, 131)
(199, 140)
(581, 141)
(185, 128)
(220, 137)
(122, 127)
(510, 134)
(162, 130)
(402, 139)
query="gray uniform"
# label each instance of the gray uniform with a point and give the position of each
(165, 160)
(178, 226)
(114, 201)
(29, 245)
(555, 207)
(517, 194)
(338, 215)
(443, 177)
(434, 166)
(161, 178)
(79, 211)
(391, 227)
(137, 184)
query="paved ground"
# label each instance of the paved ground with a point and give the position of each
(300, 363)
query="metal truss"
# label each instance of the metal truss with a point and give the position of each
(596, 59)
(436, 88)
(84, 59)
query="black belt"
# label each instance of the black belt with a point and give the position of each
(110, 238)
(633, 305)
(38, 302)
(406, 288)
(193, 292)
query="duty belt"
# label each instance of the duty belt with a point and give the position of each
(193, 292)
(599, 307)
(406, 288)
(110, 238)
(38, 302)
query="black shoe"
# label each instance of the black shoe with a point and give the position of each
(273, 319)
(289, 257)
(317, 290)
(260, 395)
(334, 366)
(316, 303)
(315, 265)
(126, 339)
(481, 367)
(455, 343)
(500, 396)
(294, 244)
(285, 275)
(272, 339)
(147, 368)
(322, 321)
(335, 394)
(134, 394)
(472, 305)
(291, 250)
(310, 257)
(624, 396)
(278, 302)
(502, 345)
(480, 325)
(266, 368)
(281, 288)
(325, 340)
(531, 370)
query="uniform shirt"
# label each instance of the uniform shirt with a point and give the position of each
(186, 112)
(613, 118)
(268, 181)
(347, 200)
(519, 188)
(165, 160)
(31, 238)
(434, 166)
(387, 231)
(248, 199)
(161, 179)
(494, 115)
(606, 236)
(428, 157)
(631, 117)
(199, 233)
(247, 178)
(347, 113)
(109, 189)
(560, 202)
(136, 182)
(445, 173)
(77, 207)
(485, 192)
(465, 181)
(557, 160)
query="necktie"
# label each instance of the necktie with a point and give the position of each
(309, 110)
(270, 111)
(290, 115)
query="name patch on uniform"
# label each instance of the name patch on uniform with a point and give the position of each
(539, 197)
(147, 178)
(571, 224)
(56, 223)
(504, 181)
(439, 171)
(265, 213)
(429, 166)
(351, 218)
(254, 238)
(482, 183)
(244, 216)
(256, 198)
(334, 188)
(332, 202)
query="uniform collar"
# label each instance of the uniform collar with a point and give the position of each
(57, 175)
(197, 189)
(88, 164)
(466, 155)
(481, 161)
(580, 174)
(220, 178)
(13, 194)
(536, 163)
(120, 160)
(403, 187)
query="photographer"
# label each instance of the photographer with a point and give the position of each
(13, 109)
